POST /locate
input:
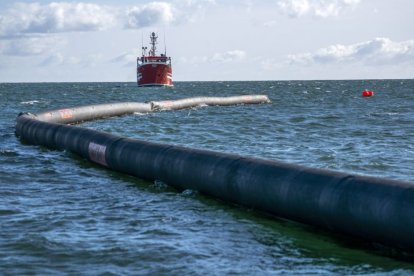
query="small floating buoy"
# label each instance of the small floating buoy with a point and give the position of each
(367, 93)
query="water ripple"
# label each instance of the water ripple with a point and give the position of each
(63, 215)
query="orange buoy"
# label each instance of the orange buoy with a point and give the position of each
(367, 93)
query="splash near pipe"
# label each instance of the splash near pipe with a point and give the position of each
(371, 208)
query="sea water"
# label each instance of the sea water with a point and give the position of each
(60, 214)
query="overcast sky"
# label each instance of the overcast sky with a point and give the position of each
(208, 39)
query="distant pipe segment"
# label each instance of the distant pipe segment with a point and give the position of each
(200, 101)
(376, 209)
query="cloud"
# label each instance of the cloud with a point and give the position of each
(317, 8)
(29, 46)
(55, 17)
(270, 23)
(225, 57)
(165, 13)
(195, 4)
(126, 58)
(379, 51)
(28, 29)
(195, 60)
(56, 59)
(229, 56)
(149, 14)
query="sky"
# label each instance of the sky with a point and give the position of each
(208, 40)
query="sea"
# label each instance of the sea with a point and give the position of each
(62, 215)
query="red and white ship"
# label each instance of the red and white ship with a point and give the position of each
(153, 69)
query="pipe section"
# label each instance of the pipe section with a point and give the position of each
(375, 209)
(202, 101)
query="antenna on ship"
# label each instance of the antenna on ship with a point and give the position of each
(165, 45)
(142, 43)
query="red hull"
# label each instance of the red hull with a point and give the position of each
(154, 74)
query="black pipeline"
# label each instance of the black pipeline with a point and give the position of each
(375, 209)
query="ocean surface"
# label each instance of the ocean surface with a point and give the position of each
(60, 214)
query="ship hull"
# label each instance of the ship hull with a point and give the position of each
(154, 74)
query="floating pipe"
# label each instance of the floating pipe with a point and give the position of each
(375, 209)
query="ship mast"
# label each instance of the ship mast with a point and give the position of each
(153, 42)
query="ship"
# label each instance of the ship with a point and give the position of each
(154, 69)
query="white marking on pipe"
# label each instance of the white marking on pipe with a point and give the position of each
(97, 153)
